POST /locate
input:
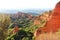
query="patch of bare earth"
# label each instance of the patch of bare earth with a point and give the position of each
(48, 36)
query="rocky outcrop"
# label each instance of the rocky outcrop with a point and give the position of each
(53, 24)
(57, 8)
(44, 16)
(36, 20)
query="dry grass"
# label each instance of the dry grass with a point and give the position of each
(48, 36)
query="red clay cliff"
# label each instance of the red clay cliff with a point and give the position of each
(54, 23)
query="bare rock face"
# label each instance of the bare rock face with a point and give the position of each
(36, 22)
(57, 8)
(38, 19)
(54, 23)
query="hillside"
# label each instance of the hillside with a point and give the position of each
(26, 23)
(28, 26)
(52, 26)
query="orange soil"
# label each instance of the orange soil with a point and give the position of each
(54, 23)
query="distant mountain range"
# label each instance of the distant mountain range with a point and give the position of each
(30, 11)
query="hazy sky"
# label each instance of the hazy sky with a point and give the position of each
(24, 4)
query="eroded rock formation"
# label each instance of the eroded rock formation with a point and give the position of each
(54, 23)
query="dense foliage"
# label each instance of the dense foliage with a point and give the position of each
(25, 25)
